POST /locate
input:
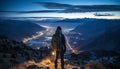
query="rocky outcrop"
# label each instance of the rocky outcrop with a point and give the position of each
(13, 53)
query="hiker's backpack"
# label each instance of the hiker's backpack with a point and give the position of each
(57, 42)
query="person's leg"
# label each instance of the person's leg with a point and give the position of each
(57, 54)
(62, 60)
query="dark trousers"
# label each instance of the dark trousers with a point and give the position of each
(61, 54)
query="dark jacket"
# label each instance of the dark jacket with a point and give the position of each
(59, 42)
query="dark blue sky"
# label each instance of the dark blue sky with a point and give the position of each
(21, 5)
(59, 8)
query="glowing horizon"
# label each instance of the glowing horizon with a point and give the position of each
(116, 15)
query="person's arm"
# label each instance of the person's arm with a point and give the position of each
(52, 42)
(64, 43)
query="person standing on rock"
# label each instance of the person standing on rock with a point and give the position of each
(59, 46)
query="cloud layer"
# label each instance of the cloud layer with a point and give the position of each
(52, 7)
(69, 8)
(103, 14)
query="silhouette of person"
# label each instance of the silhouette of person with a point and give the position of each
(59, 46)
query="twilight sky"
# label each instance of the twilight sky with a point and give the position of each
(61, 8)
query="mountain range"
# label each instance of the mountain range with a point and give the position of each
(97, 34)
(18, 29)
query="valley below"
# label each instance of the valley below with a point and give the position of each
(90, 43)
